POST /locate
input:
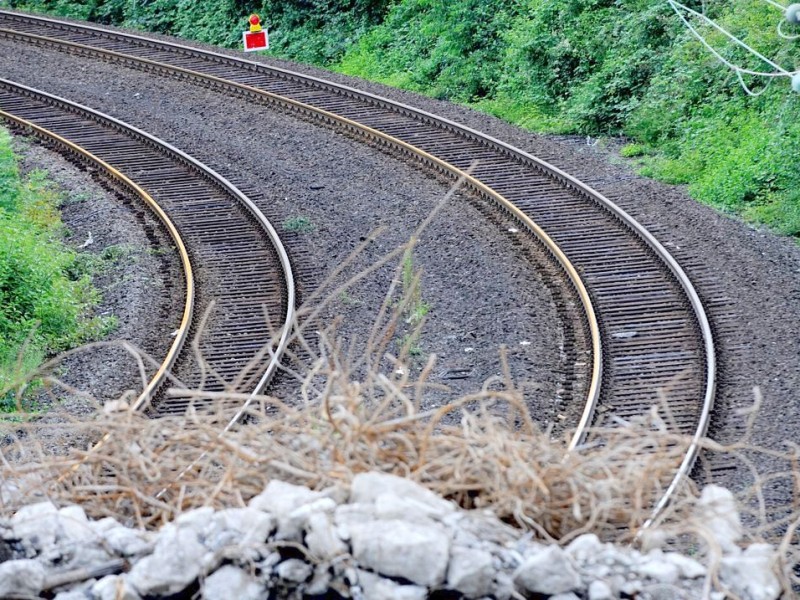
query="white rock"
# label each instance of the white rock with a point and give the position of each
(321, 537)
(320, 582)
(56, 534)
(73, 520)
(196, 519)
(471, 572)
(294, 570)
(281, 500)
(656, 567)
(128, 542)
(114, 587)
(72, 595)
(104, 524)
(238, 526)
(231, 582)
(567, 596)
(689, 568)
(37, 524)
(390, 506)
(347, 516)
(177, 561)
(504, 586)
(297, 520)
(366, 487)
(480, 525)
(23, 578)
(717, 512)
(378, 588)
(585, 547)
(548, 571)
(631, 588)
(600, 590)
(751, 574)
(400, 549)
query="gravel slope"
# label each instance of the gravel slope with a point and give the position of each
(482, 291)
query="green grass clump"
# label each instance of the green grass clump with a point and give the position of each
(43, 303)
(299, 224)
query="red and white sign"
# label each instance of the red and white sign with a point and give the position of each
(253, 41)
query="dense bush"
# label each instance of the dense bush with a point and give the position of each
(43, 298)
(599, 67)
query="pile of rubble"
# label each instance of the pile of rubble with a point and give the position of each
(384, 538)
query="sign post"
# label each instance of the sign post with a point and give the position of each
(257, 38)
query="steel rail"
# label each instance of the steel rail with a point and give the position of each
(593, 393)
(188, 308)
(567, 180)
(272, 234)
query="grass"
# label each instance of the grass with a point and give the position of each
(299, 224)
(45, 291)
(415, 309)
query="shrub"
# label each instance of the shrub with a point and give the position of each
(42, 308)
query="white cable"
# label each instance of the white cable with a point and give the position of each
(780, 71)
(747, 89)
(784, 35)
(776, 4)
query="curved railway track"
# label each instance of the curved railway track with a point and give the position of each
(229, 251)
(651, 338)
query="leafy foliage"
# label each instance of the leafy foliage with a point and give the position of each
(42, 308)
(599, 67)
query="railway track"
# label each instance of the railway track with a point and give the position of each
(651, 339)
(229, 251)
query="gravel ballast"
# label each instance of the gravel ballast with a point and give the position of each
(753, 273)
(345, 190)
(381, 538)
(484, 288)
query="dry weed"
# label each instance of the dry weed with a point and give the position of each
(355, 414)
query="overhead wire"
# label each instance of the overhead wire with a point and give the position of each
(779, 70)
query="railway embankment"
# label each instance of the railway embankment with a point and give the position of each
(381, 537)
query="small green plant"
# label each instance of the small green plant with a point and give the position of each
(415, 308)
(349, 300)
(633, 150)
(410, 344)
(298, 225)
(117, 252)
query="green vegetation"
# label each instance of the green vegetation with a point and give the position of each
(298, 225)
(415, 309)
(44, 290)
(597, 67)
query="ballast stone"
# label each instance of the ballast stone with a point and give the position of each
(230, 582)
(322, 539)
(114, 587)
(375, 587)
(23, 577)
(288, 504)
(294, 570)
(471, 572)
(717, 512)
(243, 527)
(600, 590)
(368, 488)
(175, 563)
(400, 549)
(750, 574)
(548, 571)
